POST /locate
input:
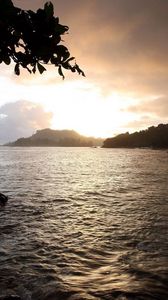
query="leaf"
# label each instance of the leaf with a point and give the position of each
(6, 4)
(73, 69)
(40, 68)
(66, 65)
(54, 60)
(62, 52)
(69, 59)
(7, 10)
(17, 33)
(7, 60)
(49, 9)
(28, 70)
(60, 29)
(60, 72)
(34, 69)
(17, 69)
(79, 70)
(6, 7)
(61, 49)
(66, 55)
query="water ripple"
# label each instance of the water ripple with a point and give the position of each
(86, 225)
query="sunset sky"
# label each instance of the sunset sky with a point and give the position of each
(122, 45)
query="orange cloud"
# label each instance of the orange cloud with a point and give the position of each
(121, 45)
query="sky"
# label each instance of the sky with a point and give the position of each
(122, 46)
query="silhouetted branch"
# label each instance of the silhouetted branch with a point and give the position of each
(31, 39)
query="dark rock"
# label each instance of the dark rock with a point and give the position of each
(3, 199)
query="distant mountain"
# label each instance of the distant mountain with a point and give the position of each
(56, 138)
(154, 137)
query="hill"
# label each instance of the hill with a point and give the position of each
(56, 138)
(154, 137)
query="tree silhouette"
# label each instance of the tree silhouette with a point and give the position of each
(155, 137)
(32, 39)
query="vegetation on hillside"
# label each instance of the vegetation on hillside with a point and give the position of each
(154, 137)
(56, 138)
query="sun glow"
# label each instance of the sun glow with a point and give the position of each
(82, 107)
(75, 104)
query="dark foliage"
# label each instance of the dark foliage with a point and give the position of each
(56, 138)
(32, 39)
(68, 142)
(154, 137)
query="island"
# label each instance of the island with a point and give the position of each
(153, 137)
(56, 138)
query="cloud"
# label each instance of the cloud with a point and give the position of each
(147, 113)
(157, 107)
(21, 119)
(121, 45)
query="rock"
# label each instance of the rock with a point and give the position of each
(3, 199)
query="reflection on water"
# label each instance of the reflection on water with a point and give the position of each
(84, 223)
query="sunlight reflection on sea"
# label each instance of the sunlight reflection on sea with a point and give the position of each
(84, 223)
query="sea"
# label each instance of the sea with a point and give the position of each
(84, 224)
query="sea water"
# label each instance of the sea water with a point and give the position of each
(84, 223)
